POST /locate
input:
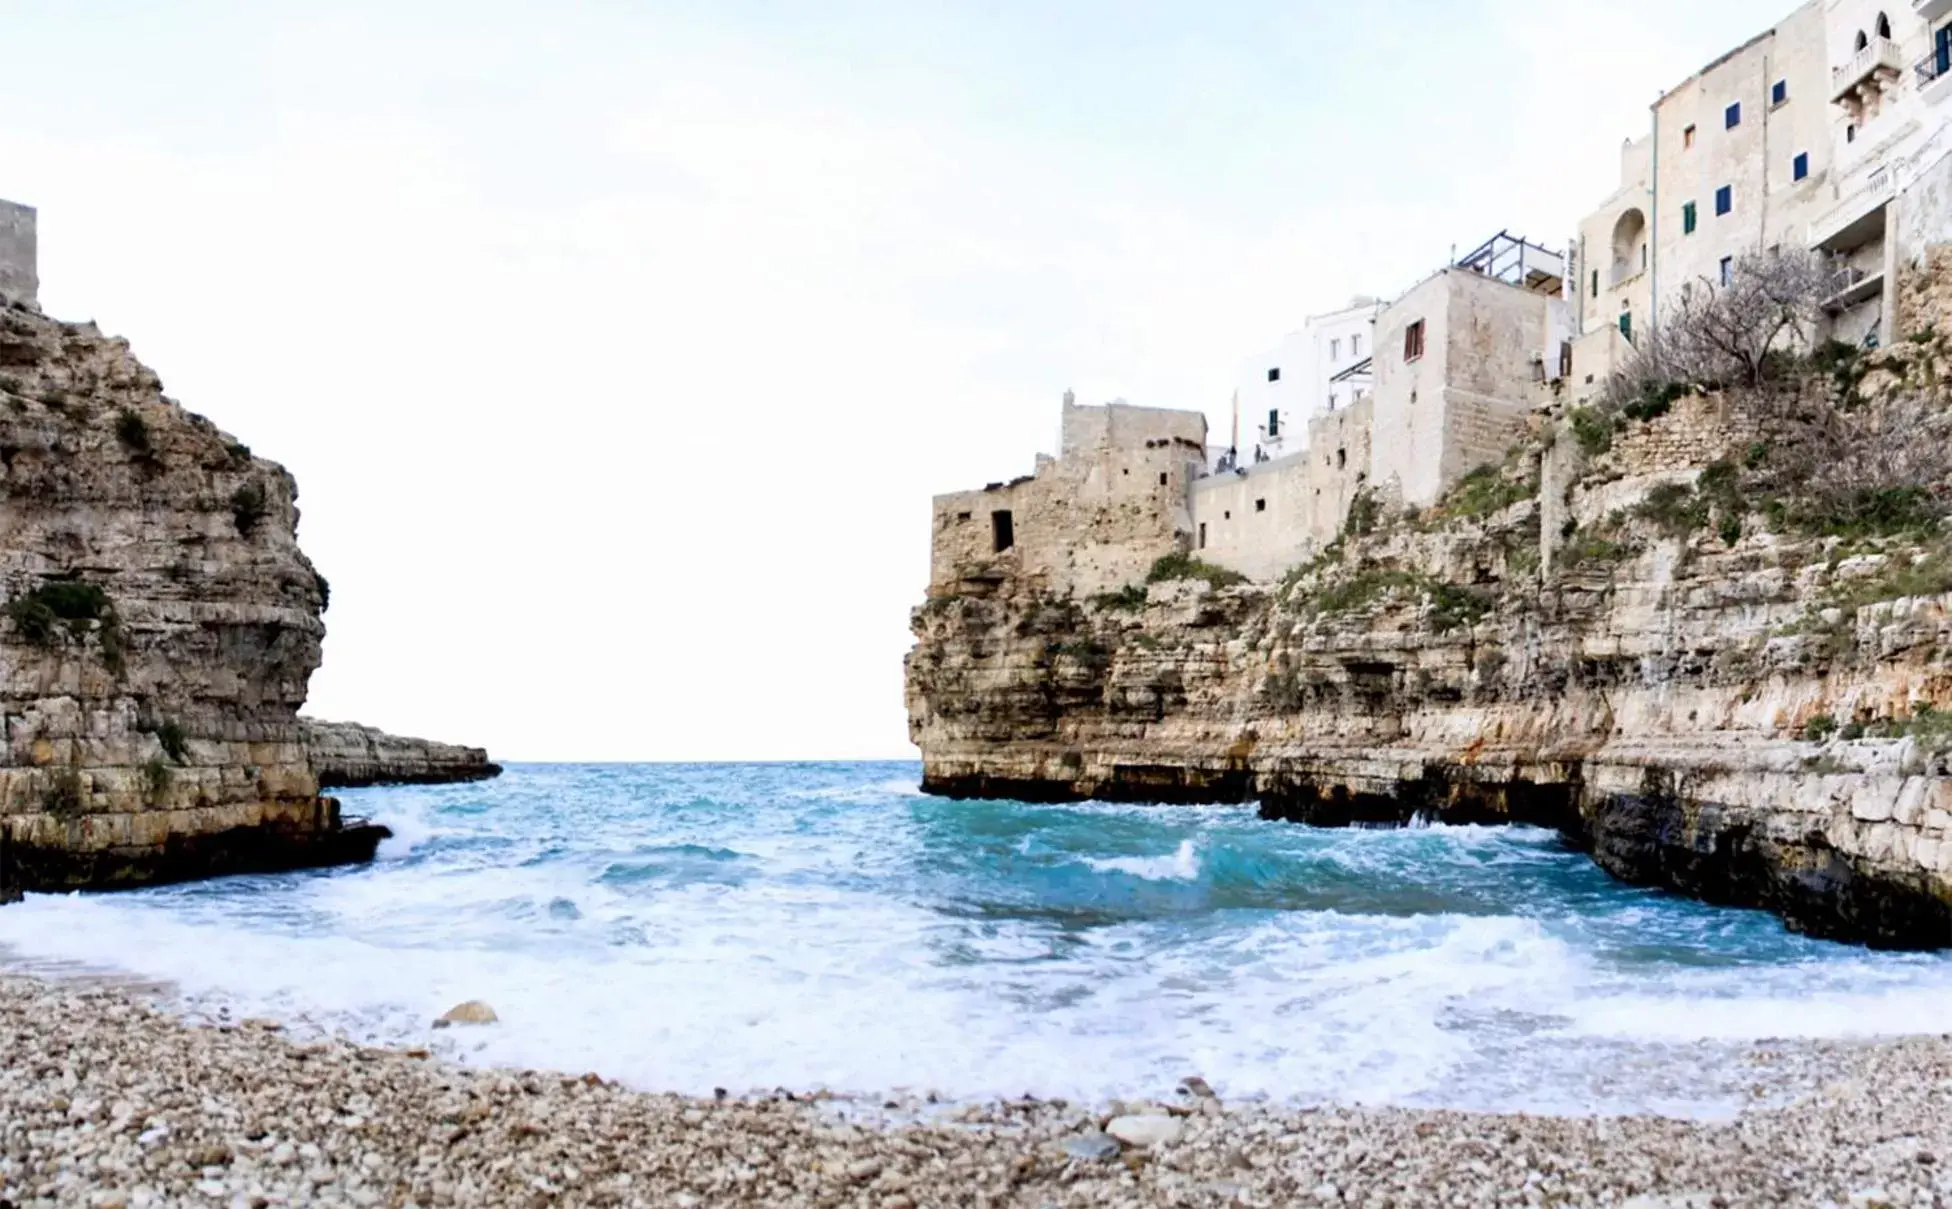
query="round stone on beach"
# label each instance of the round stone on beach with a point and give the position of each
(1092, 1147)
(1144, 1131)
(474, 1011)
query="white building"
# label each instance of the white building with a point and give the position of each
(1324, 367)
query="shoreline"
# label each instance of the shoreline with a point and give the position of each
(108, 1099)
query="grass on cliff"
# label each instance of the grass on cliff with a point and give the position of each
(1128, 599)
(133, 431)
(41, 616)
(1487, 490)
(1186, 566)
(1451, 606)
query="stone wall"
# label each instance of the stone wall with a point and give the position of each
(1091, 520)
(19, 254)
(1255, 520)
(1695, 430)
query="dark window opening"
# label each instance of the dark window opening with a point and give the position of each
(1626, 325)
(1687, 138)
(1596, 283)
(1202, 535)
(1260, 505)
(1724, 199)
(1732, 116)
(1003, 530)
(962, 516)
(1127, 470)
(1862, 40)
(1274, 375)
(1162, 478)
(1341, 459)
(1800, 166)
(1779, 92)
(1884, 27)
(1227, 516)
(1413, 341)
(1728, 269)
(1273, 423)
(1687, 218)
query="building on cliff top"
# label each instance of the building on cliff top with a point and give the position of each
(19, 270)
(1457, 364)
(1325, 367)
(1827, 131)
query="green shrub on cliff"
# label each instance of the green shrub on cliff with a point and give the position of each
(1485, 491)
(248, 507)
(1128, 599)
(1592, 429)
(176, 744)
(1185, 566)
(65, 796)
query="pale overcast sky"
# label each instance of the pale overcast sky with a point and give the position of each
(617, 348)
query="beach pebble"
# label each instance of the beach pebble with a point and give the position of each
(1145, 1131)
(1091, 1147)
(474, 1011)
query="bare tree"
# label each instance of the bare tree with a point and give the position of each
(1731, 333)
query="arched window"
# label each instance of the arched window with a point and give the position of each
(1862, 41)
(1883, 26)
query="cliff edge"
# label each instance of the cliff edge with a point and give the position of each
(160, 627)
(1707, 636)
(346, 755)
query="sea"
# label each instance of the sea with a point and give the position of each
(750, 927)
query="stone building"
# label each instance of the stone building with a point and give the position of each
(1091, 519)
(19, 273)
(1461, 360)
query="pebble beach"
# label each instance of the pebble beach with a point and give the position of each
(108, 1099)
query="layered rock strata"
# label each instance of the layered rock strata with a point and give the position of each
(160, 627)
(1738, 715)
(346, 755)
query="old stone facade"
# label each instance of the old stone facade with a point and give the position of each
(19, 254)
(1091, 519)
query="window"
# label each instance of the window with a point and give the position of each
(1884, 27)
(1687, 218)
(1779, 92)
(1850, 133)
(1800, 166)
(1732, 116)
(1341, 458)
(1413, 341)
(1274, 375)
(1335, 350)
(1862, 41)
(1596, 283)
(1728, 269)
(1162, 478)
(961, 516)
(1273, 423)
(1202, 535)
(1626, 325)
(1260, 505)
(1003, 532)
(1687, 138)
(1355, 345)
(1724, 199)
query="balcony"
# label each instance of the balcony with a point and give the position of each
(1931, 10)
(1851, 286)
(1856, 219)
(1933, 73)
(1858, 84)
(1621, 274)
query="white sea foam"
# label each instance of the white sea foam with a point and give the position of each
(765, 944)
(1183, 864)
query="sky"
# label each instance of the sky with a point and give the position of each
(618, 347)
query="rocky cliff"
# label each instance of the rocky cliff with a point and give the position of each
(159, 630)
(347, 755)
(1638, 631)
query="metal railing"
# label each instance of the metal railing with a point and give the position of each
(1934, 65)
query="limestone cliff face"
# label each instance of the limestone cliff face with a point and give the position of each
(1736, 714)
(160, 628)
(347, 755)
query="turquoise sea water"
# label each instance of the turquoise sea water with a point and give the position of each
(823, 925)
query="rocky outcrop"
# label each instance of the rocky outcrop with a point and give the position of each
(1745, 715)
(346, 755)
(159, 630)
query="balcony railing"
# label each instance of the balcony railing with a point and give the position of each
(1621, 274)
(1934, 65)
(1869, 71)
